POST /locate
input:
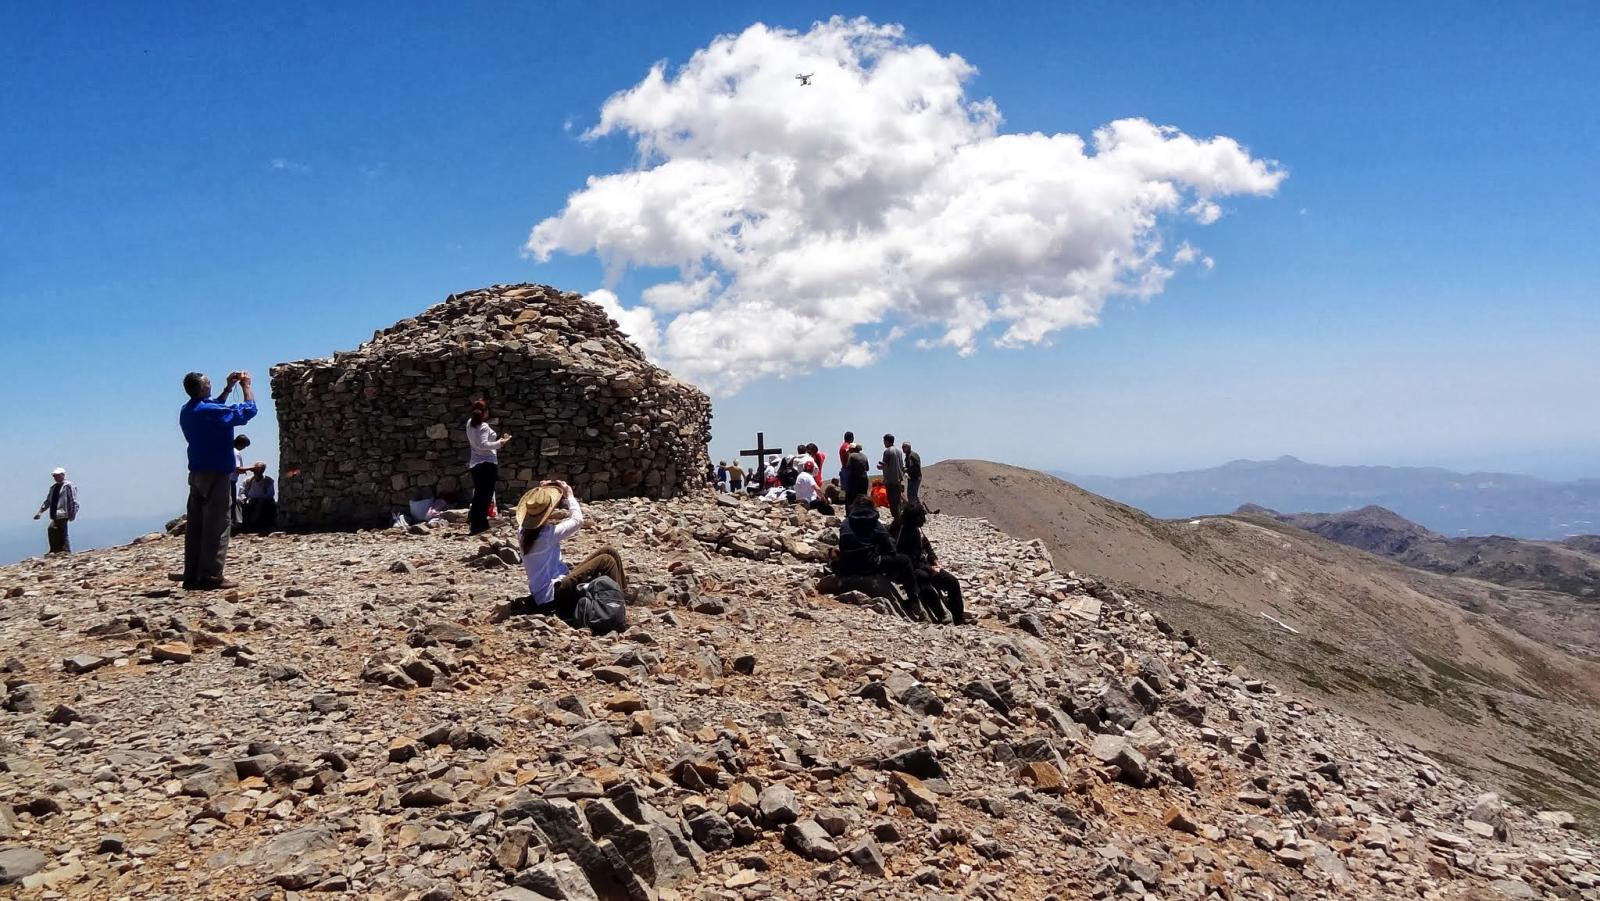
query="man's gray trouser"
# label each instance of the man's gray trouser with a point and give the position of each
(60, 543)
(205, 537)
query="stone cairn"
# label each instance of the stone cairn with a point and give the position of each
(365, 432)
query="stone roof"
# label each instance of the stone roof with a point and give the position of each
(556, 327)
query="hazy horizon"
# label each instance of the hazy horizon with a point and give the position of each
(27, 539)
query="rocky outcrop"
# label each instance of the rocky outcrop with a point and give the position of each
(745, 738)
(364, 432)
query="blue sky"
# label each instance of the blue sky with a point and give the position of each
(187, 186)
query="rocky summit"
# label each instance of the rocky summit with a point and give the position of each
(365, 716)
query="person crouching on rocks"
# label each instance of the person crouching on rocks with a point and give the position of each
(935, 579)
(546, 515)
(866, 549)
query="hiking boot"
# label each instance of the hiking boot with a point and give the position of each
(213, 585)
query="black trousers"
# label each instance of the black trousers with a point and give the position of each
(898, 567)
(260, 515)
(60, 543)
(942, 583)
(817, 504)
(484, 475)
(895, 497)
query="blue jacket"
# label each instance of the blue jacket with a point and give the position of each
(208, 427)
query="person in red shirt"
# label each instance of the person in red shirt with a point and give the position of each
(844, 451)
(818, 456)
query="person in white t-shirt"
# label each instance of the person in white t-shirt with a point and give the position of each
(806, 491)
(236, 508)
(484, 464)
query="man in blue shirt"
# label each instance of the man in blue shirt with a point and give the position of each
(208, 426)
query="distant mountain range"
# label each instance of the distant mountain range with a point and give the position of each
(1571, 566)
(1451, 503)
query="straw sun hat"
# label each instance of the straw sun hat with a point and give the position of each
(536, 506)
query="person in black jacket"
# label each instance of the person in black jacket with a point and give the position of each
(913, 473)
(867, 549)
(935, 580)
(857, 476)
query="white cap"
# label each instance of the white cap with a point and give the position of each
(58, 471)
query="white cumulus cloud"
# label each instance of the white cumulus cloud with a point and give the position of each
(811, 225)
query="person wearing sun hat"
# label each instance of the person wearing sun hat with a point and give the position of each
(545, 516)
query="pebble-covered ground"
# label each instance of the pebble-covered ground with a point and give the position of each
(362, 718)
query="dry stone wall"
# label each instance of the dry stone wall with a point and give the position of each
(365, 432)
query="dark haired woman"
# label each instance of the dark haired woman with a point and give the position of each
(545, 516)
(934, 579)
(484, 465)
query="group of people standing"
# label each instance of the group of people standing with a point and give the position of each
(799, 477)
(900, 467)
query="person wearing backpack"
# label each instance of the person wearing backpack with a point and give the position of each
(545, 516)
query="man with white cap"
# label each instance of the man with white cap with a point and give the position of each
(61, 502)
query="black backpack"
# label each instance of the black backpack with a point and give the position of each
(601, 607)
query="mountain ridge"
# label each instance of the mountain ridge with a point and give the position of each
(1449, 502)
(1565, 567)
(1459, 663)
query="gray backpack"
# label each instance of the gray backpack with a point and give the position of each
(601, 607)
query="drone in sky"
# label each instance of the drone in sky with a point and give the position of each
(804, 79)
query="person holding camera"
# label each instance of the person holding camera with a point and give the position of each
(484, 465)
(208, 425)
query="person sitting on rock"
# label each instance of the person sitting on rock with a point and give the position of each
(260, 500)
(833, 492)
(935, 579)
(867, 549)
(806, 492)
(546, 515)
(788, 471)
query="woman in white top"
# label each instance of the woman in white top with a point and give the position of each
(545, 516)
(484, 465)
